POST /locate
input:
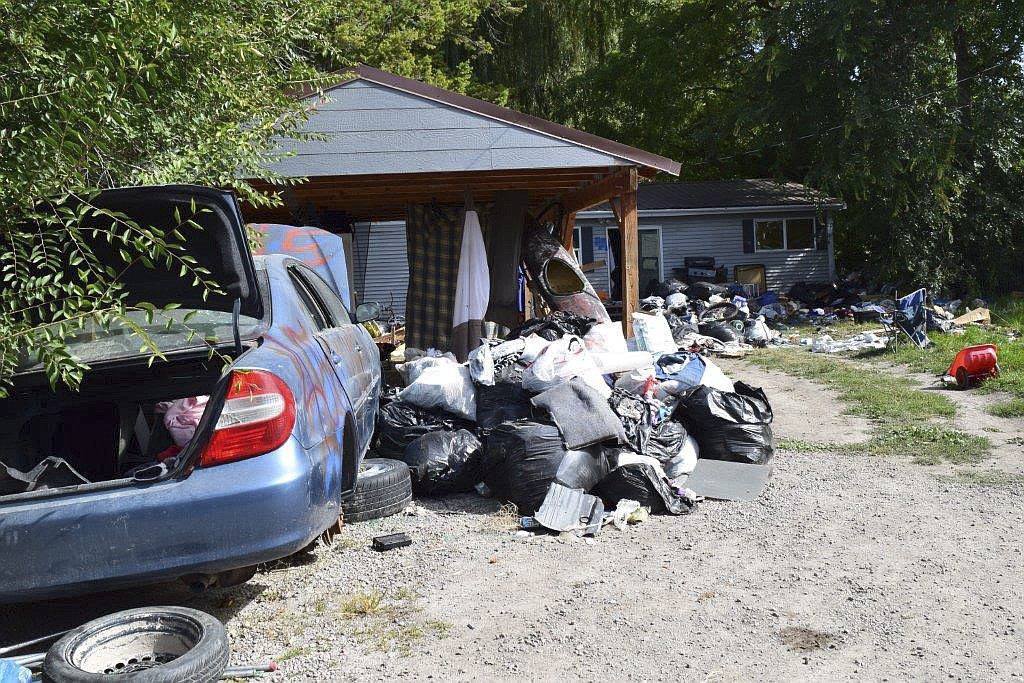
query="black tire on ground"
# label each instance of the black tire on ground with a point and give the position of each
(723, 312)
(151, 644)
(383, 488)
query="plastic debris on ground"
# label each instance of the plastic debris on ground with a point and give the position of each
(626, 512)
(858, 342)
(569, 509)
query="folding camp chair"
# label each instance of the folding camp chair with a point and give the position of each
(909, 317)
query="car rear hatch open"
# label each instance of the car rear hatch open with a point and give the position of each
(112, 427)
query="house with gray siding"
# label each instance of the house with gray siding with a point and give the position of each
(786, 227)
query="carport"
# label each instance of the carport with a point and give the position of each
(384, 142)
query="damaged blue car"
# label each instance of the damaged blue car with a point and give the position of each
(240, 446)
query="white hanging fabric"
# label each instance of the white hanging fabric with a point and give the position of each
(472, 291)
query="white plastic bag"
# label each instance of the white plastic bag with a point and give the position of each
(481, 365)
(411, 370)
(653, 333)
(533, 346)
(445, 386)
(716, 379)
(611, 363)
(685, 461)
(562, 360)
(635, 380)
(605, 338)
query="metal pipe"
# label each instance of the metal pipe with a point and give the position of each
(29, 661)
(41, 639)
(248, 671)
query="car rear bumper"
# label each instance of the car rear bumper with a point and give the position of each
(220, 518)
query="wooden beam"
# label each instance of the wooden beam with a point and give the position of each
(568, 223)
(628, 229)
(615, 185)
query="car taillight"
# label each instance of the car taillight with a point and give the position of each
(258, 416)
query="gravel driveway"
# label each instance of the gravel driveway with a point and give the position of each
(848, 566)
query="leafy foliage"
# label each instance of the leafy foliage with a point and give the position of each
(96, 94)
(912, 112)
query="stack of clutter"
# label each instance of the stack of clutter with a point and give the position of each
(567, 419)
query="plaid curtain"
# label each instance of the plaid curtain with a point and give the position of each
(433, 235)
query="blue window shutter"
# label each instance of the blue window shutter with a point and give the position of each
(748, 236)
(587, 243)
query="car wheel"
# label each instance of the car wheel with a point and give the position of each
(383, 487)
(152, 644)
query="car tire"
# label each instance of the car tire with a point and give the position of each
(383, 488)
(151, 644)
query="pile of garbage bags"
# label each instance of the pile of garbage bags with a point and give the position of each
(566, 419)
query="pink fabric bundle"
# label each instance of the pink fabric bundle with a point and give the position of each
(181, 417)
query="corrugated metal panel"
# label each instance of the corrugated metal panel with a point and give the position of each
(381, 264)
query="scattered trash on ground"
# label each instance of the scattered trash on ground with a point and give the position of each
(973, 365)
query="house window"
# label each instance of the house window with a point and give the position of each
(792, 234)
(576, 246)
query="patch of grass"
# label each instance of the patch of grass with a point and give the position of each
(929, 444)
(986, 477)
(801, 446)
(899, 410)
(364, 604)
(876, 396)
(1012, 408)
(1008, 335)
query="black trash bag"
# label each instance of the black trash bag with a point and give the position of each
(666, 440)
(729, 426)
(636, 414)
(642, 483)
(444, 462)
(522, 458)
(503, 402)
(400, 423)
(554, 326)
(679, 326)
(718, 330)
(704, 290)
(670, 286)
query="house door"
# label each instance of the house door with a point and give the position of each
(650, 266)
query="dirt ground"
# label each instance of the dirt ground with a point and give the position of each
(847, 567)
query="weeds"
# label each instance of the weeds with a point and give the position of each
(1012, 408)
(899, 410)
(801, 446)
(290, 653)
(505, 519)
(364, 604)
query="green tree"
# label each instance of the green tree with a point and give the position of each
(102, 93)
(910, 111)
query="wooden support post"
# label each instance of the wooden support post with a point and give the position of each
(568, 224)
(628, 229)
